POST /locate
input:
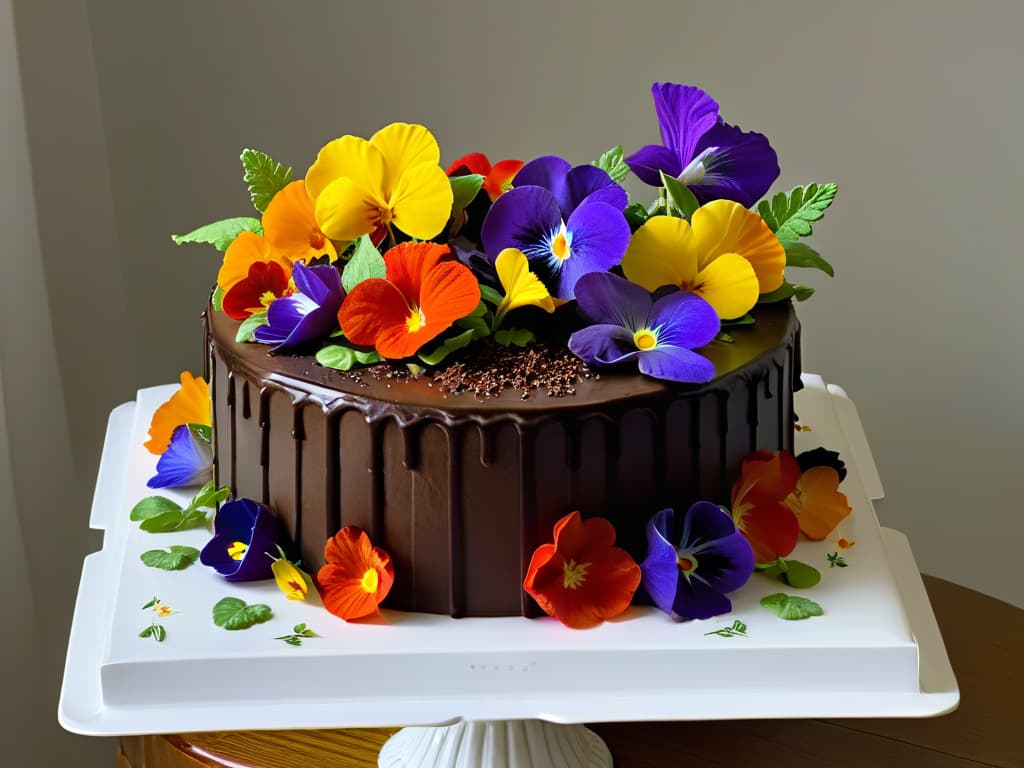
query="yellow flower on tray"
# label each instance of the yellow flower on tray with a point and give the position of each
(290, 580)
(189, 405)
(726, 254)
(290, 228)
(361, 187)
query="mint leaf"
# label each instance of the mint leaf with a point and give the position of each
(220, 234)
(790, 216)
(232, 613)
(464, 189)
(679, 196)
(153, 506)
(801, 255)
(264, 176)
(210, 496)
(178, 558)
(795, 573)
(514, 337)
(791, 608)
(447, 347)
(250, 324)
(344, 358)
(612, 163)
(365, 263)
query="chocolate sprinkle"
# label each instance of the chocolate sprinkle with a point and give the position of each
(492, 369)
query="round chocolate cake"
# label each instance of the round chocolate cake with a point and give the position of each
(461, 480)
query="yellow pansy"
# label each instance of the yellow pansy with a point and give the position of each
(726, 254)
(522, 287)
(290, 579)
(393, 180)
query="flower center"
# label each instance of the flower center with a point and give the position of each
(296, 587)
(561, 245)
(687, 563)
(698, 167)
(573, 574)
(386, 216)
(237, 550)
(369, 581)
(415, 320)
(645, 339)
(267, 297)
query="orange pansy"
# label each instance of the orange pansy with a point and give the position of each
(290, 228)
(189, 405)
(818, 502)
(247, 249)
(497, 177)
(357, 576)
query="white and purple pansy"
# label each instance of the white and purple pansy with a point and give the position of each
(307, 315)
(630, 326)
(188, 460)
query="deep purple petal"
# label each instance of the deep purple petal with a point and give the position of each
(267, 334)
(600, 236)
(588, 183)
(548, 172)
(477, 261)
(321, 283)
(727, 563)
(603, 345)
(703, 523)
(685, 113)
(647, 161)
(740, 166)
(697, 600)
(318, 324)
(607, 298)
(684, 319)
(187, 461)
(521, 218)
(676, 364)
(252, 524)
(660, 568)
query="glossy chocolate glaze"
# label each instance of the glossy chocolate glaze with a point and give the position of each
(461, 491)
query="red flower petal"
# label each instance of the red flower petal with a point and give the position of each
(372, 307)
(771, 528)
(246, 296)
(499, 180)
(474, 162)
(449, 293)
(357, 576)
(408, 264)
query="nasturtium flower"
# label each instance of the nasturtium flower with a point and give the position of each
(190, 404)
(497, 177)
(187, 461)
(714, 159)
(582, 578)
(290, 580)
(309, 314)
(568, 221)
(359, 187)
(244, 541)
(357, 576)
(420, 297)
(630, 326)
(726, 254)
(266, 281)
(522, 287)
(693, 560)
(290, 228)
(245, 250)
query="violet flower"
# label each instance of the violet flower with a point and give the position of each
(308, 315)
(568, 221)
(187, 461)
(632, 326)
(714, 159)
(244, 541)
(693, 560)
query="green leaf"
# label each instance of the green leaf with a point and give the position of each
(725, 337)
(464, 189)
(366, 262)
(233, 613)
(447, 347)
(801, 255)
(204, 431)
(178, 558)
(150, 604)
(221, 234)
(264, 176)
(148, 631)
(218, 299)
(299, 629)
(476, 324)
(800, 575)
(612, 162)
(293, 641)
(159, 633)
(785, 291)
(193, 518)
(163, 523)
(790, 607)
(491, 295)
(802, 292)
(679, 196)
(790, 216)
(342, 358)
(514, 337)
(250, 324)
(153, 506)
(210, 496)
(747, 319)
(636, 214)
(739, 626)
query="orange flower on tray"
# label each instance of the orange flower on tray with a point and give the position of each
(189, 405)
(357, 576)
(582, 578)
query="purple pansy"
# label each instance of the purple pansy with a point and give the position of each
(568, 221)
(717, 161)
(244, 541)
(631, 326)
(308, 315)
(693, 560)
(187, 461)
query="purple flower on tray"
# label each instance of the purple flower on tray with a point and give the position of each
(244, 541)
(187, 461)
(309, 314)
(714, 159)
(693, 560)
(631, 326)
(568, 221)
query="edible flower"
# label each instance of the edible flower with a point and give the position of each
(582, 578)
(290, 228)
(497, 177)
(361, 187)
(266, 281)
(245, 250)
(190, 404)
(187, 461)
(568, 221)
(714, 159)
(631, 327)
(308, 314)
(726, 254)
(244, 541)
(357, 576)
(420, 297)
(522, 287)
(693, 560)
(290, 580)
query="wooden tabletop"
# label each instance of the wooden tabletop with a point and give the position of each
(984, 638)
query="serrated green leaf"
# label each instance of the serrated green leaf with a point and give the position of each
(153, 506)
(803, 256)
(800, 575)
(514, 337)
(790, 216)
(790, 607)
(217, 300)
(233, 613)
(679, 196)
(447, 347)
(464, 189)
(250, 324)
(177, 559)
(366, 262)
(636, 214)
(221, 234)
(612, 163)
(264, 176)
(491, 295)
